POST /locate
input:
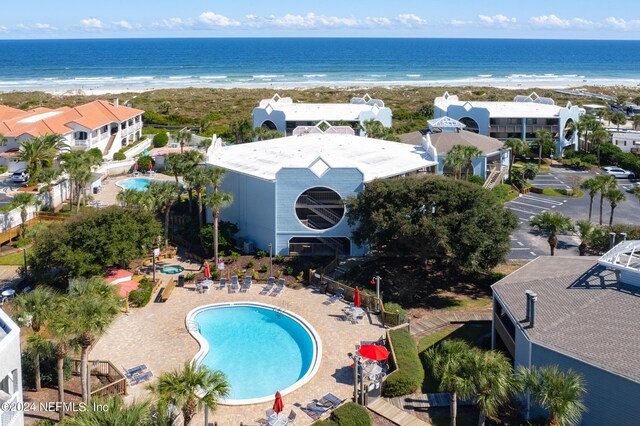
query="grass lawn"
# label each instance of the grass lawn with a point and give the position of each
(555, 193)
(543, 167)
(15, 258)
(458, 304)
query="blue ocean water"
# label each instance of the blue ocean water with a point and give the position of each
(260, 350)
(303, 62)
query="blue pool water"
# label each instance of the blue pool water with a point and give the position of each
(173, 269)
(139, 184)
(260, 350)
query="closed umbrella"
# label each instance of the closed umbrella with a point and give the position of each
(278, 405)
(207, 270)
(150, 165)
(374, 352)
(356, 298)
(135, 166)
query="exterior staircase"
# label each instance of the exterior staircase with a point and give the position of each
(495, 177)
(109, 144)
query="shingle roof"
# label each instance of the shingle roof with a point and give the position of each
(582, 310)
(444, 141)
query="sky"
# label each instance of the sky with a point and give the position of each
(551, 19)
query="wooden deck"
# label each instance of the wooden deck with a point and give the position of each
(389, 411)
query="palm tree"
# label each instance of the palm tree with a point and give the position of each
(40, 151)
(585, 125)
(614, 196)
(593, 186)
(493, 381)
(468, 154)
(518, 147)
(191, 389)
(175, 163)
(559, 392)
(33, 309)
(619, 119)
(205, 144)
(78, 165)
(217, 201)
(263, 134)
(585, 230)
(183, 137)
(604, 182)
(164, 194)
(455, 159)
(181, 164)
(113, 412)
(552, 223)
(600, 136)
(450, 362)
(95, 306)
(635, 190)
(61, 329)
(374, 129)
(621, 99)
(198, 178)
(542, 138)
(49, 176)
(240, 129)
(22, 201)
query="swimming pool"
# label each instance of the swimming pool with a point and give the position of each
(262, 349)
(139, 184)
(172, 269)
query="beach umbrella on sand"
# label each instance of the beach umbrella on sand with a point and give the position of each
(207, 270)
(356, 298)
(278, 405)
(374, 352)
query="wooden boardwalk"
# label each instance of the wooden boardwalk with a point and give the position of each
(436, 322)
(389, 411)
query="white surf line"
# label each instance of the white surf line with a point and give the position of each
(530, 205)
(542, 200)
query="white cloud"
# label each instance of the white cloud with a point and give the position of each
(373, 21)
(40, 26)
(554, 22)
(124, 25)
(92, 24)
(173, 23)
(624, 25)
(36, 26)
(496, 20)
(458, 22)
(214, 20)
(411, 20)
(3, 29)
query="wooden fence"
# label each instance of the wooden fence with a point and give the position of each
(117, 383)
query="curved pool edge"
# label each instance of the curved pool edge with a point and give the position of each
(204, 347)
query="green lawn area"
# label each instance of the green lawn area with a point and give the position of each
(14, 258)
(457, 304)
(476, 334)
(543, 167)
(555, 193)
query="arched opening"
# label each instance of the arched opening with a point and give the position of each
(569, 129)
(268, 124)
(319, 208)
(471, 124)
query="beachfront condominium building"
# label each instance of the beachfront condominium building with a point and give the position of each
(626, 140)
(579, 313)
(10, 373)
(283, 114)
(289, 192)
(98, 124)
(444, 133)
(521, 118)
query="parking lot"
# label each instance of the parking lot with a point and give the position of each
(528, 244)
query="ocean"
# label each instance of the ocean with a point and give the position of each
(137, 64)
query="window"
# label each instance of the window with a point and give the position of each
(4, 385)
(123, 125)
(625, 143)
(319, 208)
(103, 129)
(514, 121)
(80, 136)
(532, 121)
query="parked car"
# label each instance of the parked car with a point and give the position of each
(618, 173)
(20, 176)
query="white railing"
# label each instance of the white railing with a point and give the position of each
(84, 143)
(7, 417)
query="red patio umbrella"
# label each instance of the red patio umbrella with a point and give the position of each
(374, 352)
(207, 270)
(278, 405)
(135, 166)
(150, 165)
(356, 298)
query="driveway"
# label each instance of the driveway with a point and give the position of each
(527, 244)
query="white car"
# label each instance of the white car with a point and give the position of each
(20, 176)
(617, 173)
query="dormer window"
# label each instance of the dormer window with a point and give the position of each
(80, 136)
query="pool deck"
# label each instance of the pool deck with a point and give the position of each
(156, 336)
(107, 196)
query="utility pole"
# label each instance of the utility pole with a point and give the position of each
(156, 252)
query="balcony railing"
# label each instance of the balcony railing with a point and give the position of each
(83, 143)
(6, 417)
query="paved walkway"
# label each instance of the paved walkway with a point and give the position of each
(436, 322)
(395, 414)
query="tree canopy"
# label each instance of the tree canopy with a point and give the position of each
(453, 223)
(92, 241)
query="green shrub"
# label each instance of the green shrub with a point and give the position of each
(476, 179)
(264, 268)
(142, 295)
(409, 373)
(261, 254)
(300, 276)
(215, 274)
(251, 264)
(119, 156)
(160, 140)
(599, 240)
(395, 308)
(190, 276)
(143, 162)
(146, 130)
(23, 242)
(48, 370)
(3, 169)
(288, 271)
(502, 192)
(234, 256)
(278, 259)
(350, 414)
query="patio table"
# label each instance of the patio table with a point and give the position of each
(280, 420)
(9, 293)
